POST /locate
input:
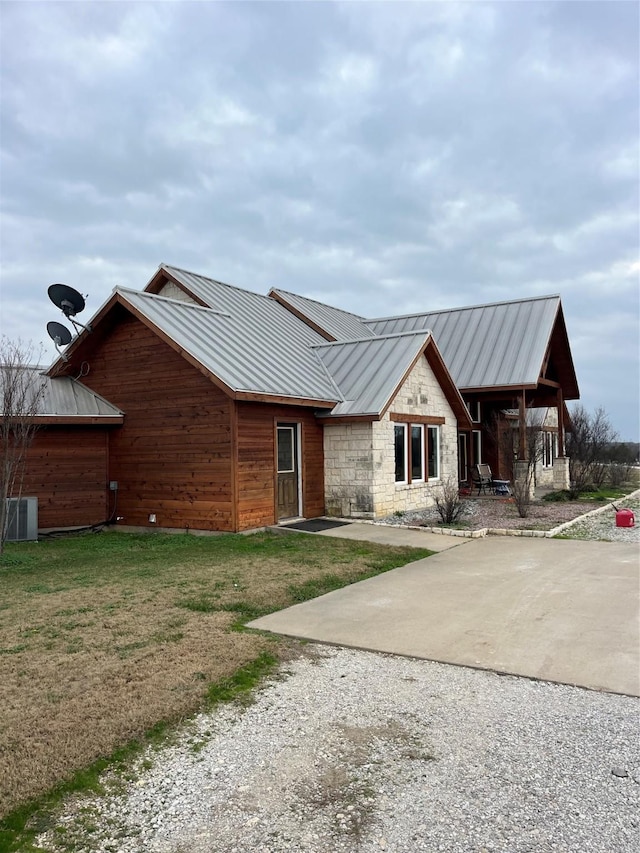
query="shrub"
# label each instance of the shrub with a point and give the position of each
(557, 497)
(448, 502)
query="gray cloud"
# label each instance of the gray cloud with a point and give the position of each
(382, 157)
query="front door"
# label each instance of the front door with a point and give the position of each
(288, 501)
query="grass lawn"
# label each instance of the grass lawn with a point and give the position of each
(103, 636)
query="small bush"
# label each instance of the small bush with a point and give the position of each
(521, 490)
(448, 502)
(557, 497)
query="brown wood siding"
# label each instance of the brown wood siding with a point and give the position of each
(257, 466)
(173, 455)
(67, 471)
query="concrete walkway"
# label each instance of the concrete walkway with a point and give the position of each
(387, 535)
(558, 610)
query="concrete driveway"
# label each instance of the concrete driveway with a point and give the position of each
(557, 610)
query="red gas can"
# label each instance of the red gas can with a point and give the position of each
(625, 518)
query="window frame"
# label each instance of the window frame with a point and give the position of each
(292, 430)
(475, 412)
(401, 428)
(433, 429)
(549, 448)
(476, 444)
(421, 478)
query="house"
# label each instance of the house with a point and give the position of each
(240, 410)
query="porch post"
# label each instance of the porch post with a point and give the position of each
(561, 478)
(522, 427)
(522, 472)
(560, 405)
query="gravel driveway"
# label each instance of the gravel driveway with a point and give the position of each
(358, 751)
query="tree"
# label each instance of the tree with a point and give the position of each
(21, 390)
(506, 435)
(587, 447)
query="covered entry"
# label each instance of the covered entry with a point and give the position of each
(288, 470)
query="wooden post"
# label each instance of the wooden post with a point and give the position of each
(522, 427)
(560, 405)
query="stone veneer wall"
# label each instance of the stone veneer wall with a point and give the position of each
(359, 457)
(172, 291)
(348, 469)
(544, 476)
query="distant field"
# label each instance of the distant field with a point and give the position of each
(102, 636)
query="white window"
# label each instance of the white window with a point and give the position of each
(477, 446)
(417, 453)
(474, 410)
(433, 452)
(549, 448)
(400, 439)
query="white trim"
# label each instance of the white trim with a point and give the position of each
(423, 453)
(405, 480)
(476, 438)
(436, 431)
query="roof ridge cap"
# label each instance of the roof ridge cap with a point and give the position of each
(412, 333)
(316, 302)
(464, 308)
(152, 296)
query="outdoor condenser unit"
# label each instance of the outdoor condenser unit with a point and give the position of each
(22, 519)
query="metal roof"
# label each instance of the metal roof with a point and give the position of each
(340, 325)
(61, 397)
(250, 342)
(487, 345)
(368, 371)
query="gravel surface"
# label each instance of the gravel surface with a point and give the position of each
(357, 751)
(603, 525)
(543, 515)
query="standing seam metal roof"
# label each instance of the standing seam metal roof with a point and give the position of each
(341, 325)
(63, 396)
(487, 345)
(368, 371)
(252, 344)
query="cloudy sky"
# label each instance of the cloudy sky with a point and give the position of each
(383, 157)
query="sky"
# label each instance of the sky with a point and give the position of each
(385, 158)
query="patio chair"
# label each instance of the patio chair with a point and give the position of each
(481, 478)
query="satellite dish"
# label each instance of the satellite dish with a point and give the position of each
(69, 301)
(60, 335)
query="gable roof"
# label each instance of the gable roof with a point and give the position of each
(496, 345)
(275, 347)
(334, 324)
(487, 345)
(370, 371)
(243, 356)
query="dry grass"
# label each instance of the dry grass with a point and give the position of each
(103, 636)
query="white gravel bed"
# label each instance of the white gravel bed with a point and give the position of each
(357, 751)
(603, 525)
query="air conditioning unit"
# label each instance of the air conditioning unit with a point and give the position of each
(22, 519)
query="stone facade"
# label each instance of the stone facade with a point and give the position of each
(360, 456)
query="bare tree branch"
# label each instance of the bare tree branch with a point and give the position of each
(21, 390)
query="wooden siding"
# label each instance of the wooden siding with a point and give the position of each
(256, 464)
(173, 456)
(67, 471)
